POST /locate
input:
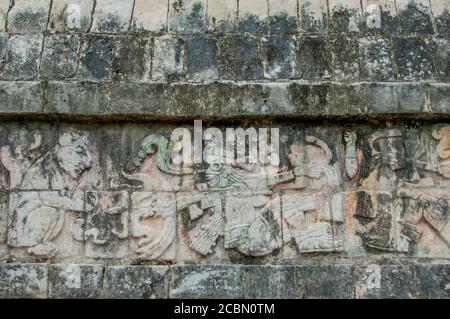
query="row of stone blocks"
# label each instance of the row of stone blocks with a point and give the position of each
(255, 16)
(401, 280)
(198, 58)
(144, 100)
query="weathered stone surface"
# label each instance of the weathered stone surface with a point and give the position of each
(344, 52)
(440, 97)
(413, 57)
(169, 58)
(278, 50)
(96, 58)
(283, 16)
(21, 97)
(441, 12)
(187, 16)
(398, 282)
(253, 16)
(23, 280)
(222, 15)
(75, 281)
(22, 57)
(68, 15)
(442, 58)
(75, 98)
(112, 16)
(133, 282)
(239, 58)
(415, 16)
(376, 59)
(206, 281)
(4, 199)
(314, 16)
(60, 56)
(272, 282)
(201, 59)
(4, 8)
(28, 16)
(3, 48)
(150, 15)
(433, 280)
(313, 57)
(346, 15)
(380, 15)
(132, 58)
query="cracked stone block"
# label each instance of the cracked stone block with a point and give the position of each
(239, 58)
(415, 16)
(441, 12)
(398, 282)
(168, 59)
(46, 223)
(336, 281)
(70, 15)
(22, 57)
(253, 16)
(23, 281)
(59, 57)
(222, 15)
(434, 280)
(21, 97)
(75, 281)
(394, 97)
(4, 8)
(313, 59)
(413, 57)
(280, 57)
(442, 58)
(346, 15)
(132, 282)
(206, 281)
(75, 98)
(201, 59)
(29, 16)
(150, 15)
(106, 224)
(132, 58)
(283, 16)
(379, 15)
(314, 16)
(153, 226)
(344, 52)
(96, 58)
(275, 282)
(187, 16)
(368, 281)
(440, 97)
(112, 16)
(376, 59)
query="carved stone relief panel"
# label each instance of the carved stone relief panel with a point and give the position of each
(153, 225)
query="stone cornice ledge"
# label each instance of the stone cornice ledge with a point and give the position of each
(142, 101)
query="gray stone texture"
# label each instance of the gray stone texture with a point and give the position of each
(28, 16)
(96, 58)
(23, 281)
(22, 57)
(60, 56)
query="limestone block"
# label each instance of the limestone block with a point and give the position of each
(201, 59)
(135, 282)
(132, 58)
(222, 15)
(112, 16)
(346, 15)
(75, 281)
(187, 16)
(59, 57)
(441, 12)
(22, 57)
(20, 97)
(71, 15)
(4, 8)
(283, 16)
(169, 57)
(278, 50)
(344, 52)
(415, 16)
(442, 58)
(380, 15)
(253, 16)
(23, 280)
(376, 59)
(313, 59)
(96, 58)
(314, 16)
(433, 280)
(29, 16)
(150, 15)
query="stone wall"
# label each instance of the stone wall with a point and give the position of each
(92, 206)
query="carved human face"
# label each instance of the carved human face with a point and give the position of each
(73, 154)
(393, 153)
